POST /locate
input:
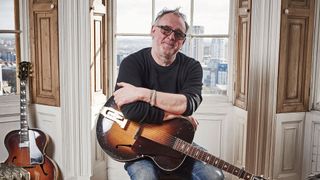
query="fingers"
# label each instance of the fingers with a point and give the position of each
(127, 93)
(193, 121)
(123, 84)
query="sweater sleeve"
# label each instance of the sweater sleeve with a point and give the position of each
(192, 88)
(131, 71)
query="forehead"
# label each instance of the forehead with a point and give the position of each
(173, 20)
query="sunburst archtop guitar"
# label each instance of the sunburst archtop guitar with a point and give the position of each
(27, 146)
(166, 144)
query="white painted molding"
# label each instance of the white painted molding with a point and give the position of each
(231, 47)
(264, 55)
(48, 120)
(312, 120)
(74, 56)
(288, 151)
(240, 136)
(315, 96)
(24, 27)
(272, 54)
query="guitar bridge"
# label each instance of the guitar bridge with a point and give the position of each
(114, 115)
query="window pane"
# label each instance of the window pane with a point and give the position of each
(172, 4)
(129, 44)
(134, 16)
(7, 64)
(212, 53)
(7, 14)
(213, 15)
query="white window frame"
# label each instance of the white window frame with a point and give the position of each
(9, 103)
(315, 95)
(229, 36)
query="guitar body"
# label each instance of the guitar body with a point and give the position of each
(20, 156)
(26, 147)
(136, 141)
(167, 144)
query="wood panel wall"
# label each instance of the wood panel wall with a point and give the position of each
(44, 51)
(295, 55)
(242, 53)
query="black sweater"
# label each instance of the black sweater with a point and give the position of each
(183, 76)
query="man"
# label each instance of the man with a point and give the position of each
(159, 83)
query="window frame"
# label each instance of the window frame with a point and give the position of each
(315, 95)
(189, 38)
(9, 103)
(17, 32)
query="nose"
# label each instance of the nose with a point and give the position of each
(172, 36)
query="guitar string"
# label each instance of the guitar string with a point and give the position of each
(173, 139)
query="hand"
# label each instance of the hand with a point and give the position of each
(193, 121)
(126, 94)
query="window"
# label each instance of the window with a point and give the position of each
(207, 38)
(9, 46)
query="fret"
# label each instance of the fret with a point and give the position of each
(221, 163)
(24, 70)
(247, 176)
(202, 155)
(187, 149)
(197, 153)
(24, 123)
(213, 158)
(225, 166)
(241, 173)
(230, 168)
(176, 144)
(192, 151)
(208, 158)
(205, 156)
(24, 135)
(23, 92)
(216, 162)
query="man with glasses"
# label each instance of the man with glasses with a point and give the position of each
(158, 84)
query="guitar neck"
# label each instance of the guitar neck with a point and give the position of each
(199, 154)
(24, 136)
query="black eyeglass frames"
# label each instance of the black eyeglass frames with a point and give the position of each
(166, 30)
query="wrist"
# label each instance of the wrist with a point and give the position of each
(145, 95)
(153, 97)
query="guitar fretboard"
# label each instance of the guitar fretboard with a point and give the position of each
(24, 136)
(197, 153)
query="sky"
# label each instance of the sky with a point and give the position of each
(6, 14)
(136, 15)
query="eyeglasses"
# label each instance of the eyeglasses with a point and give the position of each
(166, 30)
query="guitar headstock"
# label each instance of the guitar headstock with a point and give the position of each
(259, 178)
(24, 70)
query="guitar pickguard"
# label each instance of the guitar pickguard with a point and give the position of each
(36, 156)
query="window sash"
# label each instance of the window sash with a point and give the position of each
(17, 33)
(189, 40)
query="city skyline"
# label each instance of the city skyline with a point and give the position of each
(212, 53)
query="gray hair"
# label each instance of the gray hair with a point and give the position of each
(173, 11)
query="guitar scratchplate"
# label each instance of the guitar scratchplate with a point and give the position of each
(114, 115)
